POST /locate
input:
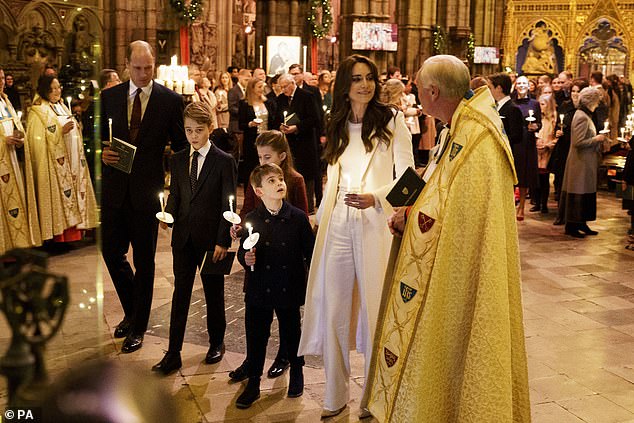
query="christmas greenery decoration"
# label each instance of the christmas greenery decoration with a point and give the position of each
(320, 29)
(187, 13)
(470, 47)
(439, 40)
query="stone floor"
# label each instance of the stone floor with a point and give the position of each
(579, 319)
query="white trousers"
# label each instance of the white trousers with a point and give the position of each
(343, 269)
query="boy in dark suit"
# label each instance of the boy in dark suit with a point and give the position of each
(203, 178)
(278, 279)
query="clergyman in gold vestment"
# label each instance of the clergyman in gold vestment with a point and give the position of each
(449, 346)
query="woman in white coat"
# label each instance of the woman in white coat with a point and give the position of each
(368, 143)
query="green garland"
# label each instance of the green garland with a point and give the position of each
(470, 47)
(320, 29)
(439, 43)
(187, 13)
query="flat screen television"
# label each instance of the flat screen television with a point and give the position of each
(374, 36)
(486, 55)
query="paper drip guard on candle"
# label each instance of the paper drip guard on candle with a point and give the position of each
(258, 120)
(250, 242)
(231, 217)
(165, 217)
(605, 129)
(530, 117)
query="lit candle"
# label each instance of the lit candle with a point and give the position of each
(324, 107)
(305, 50)
(622, 132)
(162, 200)
(110, 129)
(530, 112)
(606, 124)
(68, 99)
(285, 113)
(250, 228)
(561, 119)
(231, 203)
(261, 55)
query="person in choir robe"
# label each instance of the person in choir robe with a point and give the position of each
(19, 225)
(65, 197)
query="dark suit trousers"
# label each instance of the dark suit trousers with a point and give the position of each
(258, 325)
(186, 260)
(122, 227)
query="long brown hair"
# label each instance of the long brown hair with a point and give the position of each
(277, 141)
(375, 119)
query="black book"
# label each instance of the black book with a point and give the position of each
(222, 267)
(126, 152)
(291, 119)
(406, 190)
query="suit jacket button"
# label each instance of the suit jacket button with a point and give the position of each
(283, 289)
(283, 244)
(267, 221)
(283, 221)
(268, 267)
(266, 243)
(268, 290)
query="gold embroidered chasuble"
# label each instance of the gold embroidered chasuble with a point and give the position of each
(64, 191)
(19, 227)
(450, 341)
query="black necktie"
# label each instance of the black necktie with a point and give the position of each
(193, 174)
(135, 118)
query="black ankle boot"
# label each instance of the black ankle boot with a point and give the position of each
(250, 394)
(296, 382)
(586, 230)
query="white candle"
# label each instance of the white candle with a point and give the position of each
(231, 203)
(178, 87)
(189, 87)
(285, 113)
(305, 51)
(622, 132)
(261, 55)
(162, 199)
(606, 124)
(250, 228)
(68, 99)
(174, 61)
(110, 129)
(324, 107)
(561, 119)
(530, 112)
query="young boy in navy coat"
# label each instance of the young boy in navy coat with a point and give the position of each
(203, 178)
(278, 280)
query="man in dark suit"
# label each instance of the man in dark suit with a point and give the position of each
(500, 86)
(147, 115)
(203, 178)
(300, 131)
(233, 98)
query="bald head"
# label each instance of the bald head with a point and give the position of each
(448, 73)
(140, 63)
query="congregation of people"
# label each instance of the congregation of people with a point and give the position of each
(422, 291)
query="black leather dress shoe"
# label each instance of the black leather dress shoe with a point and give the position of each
(296, 382)
(574, 233)
(558, 222)
(250, 394)
(277, 368)
(535, 208)
(169, 364)
(132, 343)
(123, 329)
(586, 230)
(215, 354)
(241, 373)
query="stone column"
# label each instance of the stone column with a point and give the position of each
(367, 11)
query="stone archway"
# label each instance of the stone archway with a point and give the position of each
(604, 49)
(540, 49)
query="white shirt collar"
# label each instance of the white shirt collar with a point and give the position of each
(203, 151)
(502, 102)
(147, 90)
